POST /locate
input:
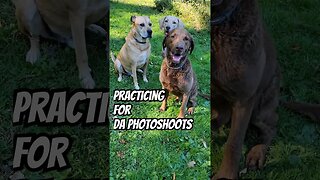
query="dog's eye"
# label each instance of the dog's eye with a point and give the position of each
(142, 24)
(172, 36)
(174, 22)
(186, 38)
(150, 24)
(166, 21)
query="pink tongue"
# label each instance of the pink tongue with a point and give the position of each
(176, 58)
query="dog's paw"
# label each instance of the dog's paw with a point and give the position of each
(119, 79)
(33, 55)
(222, 176)
(87, 82)
(180, 116)
(162, 109)
(256, 157)
(145, 80)
(190, 110)
(136, 87)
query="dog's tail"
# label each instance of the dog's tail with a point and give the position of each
(310, 110)
(205, 96)
(113, 58)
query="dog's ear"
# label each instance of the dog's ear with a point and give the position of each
(161, 21)
(191, 44)
(180, 23)
(133, 19)
(164, 42)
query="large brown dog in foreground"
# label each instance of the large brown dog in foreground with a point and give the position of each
(64, 21)
(245, 83)
(176, 73)
(135, 53)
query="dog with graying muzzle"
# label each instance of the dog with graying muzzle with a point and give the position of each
(65, 22)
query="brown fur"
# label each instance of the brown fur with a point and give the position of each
(245, 83)
(179, 78)
(310, 110)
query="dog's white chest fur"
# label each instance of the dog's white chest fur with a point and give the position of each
(142, 58)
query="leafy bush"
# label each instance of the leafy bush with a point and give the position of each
(162, 5)
(194, 12)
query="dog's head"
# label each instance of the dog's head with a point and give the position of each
(170, 23)
(142, 25)
(179, 43)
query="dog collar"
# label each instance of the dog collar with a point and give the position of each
(139, 41)
(224, 16)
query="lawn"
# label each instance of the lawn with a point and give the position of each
(295, 152)
(160, 154)
(55, 69)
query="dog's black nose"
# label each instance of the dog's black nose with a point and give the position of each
(149, 33)
(167, 28)
(179, 48)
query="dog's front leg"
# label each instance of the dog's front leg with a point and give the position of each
(241, 113)
(164, 103)
(185, 99)
(77, 21)
(145, 68)
(134, 75)
(34, 52)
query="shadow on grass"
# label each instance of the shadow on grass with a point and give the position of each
(133, 8)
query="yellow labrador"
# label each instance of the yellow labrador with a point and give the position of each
(64, 21)
(169, 23)
(135, 53)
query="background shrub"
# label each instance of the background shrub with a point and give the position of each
(162, 5)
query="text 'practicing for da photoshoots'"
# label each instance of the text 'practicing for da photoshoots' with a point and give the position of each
(123, 110)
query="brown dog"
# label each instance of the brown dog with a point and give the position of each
(176, 73)
(245, 81)
(64, 21)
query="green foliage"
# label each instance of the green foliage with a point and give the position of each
(162, 5)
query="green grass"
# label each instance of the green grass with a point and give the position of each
(295, 151)
(159, 154)
(55, 69)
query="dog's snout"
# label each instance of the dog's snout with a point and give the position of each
(167, 28)
(179, 48)
(149, 31)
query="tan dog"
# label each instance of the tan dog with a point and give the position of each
(64, 21)
(177, 75)
(169, 23)
(135, 53)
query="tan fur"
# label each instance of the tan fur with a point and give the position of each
(134, 55)
(64, 21)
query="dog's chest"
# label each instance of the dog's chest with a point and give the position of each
(142, 58)
(174, 81)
